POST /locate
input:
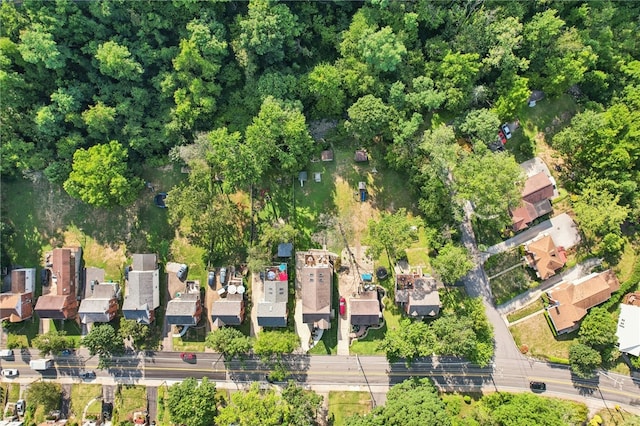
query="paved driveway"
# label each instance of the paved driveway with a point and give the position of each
(562, 229)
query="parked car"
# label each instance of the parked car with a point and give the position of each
(212, 279)
(538, 386)
(107, 410)
(343, 306)
(67, 352)
(223, 275)
(506, 130)
(45, 277)
(182, 272)
(87, 375)
(188, 356)
(6, 353)
(502, 137)
(9, 372)
(21, 406)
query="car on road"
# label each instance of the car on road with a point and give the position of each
(9, 372)
(211, 279)
(506, 130)
(188, 356)
(182, 272)
(538, 386)
(21, 406)
(87, 375)
(343, 306)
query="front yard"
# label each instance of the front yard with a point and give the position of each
(508, 276)
(346, 404)
(536, 335)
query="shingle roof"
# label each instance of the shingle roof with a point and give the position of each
(145, 262)
(424, 299)
(143, 289)
(228, 309)
(537, 188)
(545, 257)
(573, 299)
(365, 309)
(183, 310)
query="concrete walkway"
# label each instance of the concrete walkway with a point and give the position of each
(302, 329)
(572, 274)
(562, 229)
(257, 295)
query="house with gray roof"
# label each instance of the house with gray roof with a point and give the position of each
(272, 311)
(228, 311)
(101, 305)
(314, 275)
(142, 295)
(186, 308)
(418, 294)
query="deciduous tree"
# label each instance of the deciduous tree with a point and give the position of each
(103, 341)
(584, 360)
(598, 329)
(192, 403)
(115, 61)
(52, 342)
(275, 343)
(410, 340)
(369, 116)
(392, 234)
(255, 407)
(452, 263)
(45, 394)
(228, 341)
(100, 176)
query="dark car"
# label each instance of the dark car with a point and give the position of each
(538, 386)
(87, 375)
(107, 410)
(67, 352)
(45, 277)
(212, 279)
(159, 200)
(182, 272)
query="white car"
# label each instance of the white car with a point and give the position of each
(20, 407)
(506, 130)
(9, 372)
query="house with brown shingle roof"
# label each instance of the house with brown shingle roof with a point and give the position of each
(186, 308)
(536, 195)
(365, 309)
(569, 302)
(314, 276)
(62, 302)
(17, 305)
(543, 256)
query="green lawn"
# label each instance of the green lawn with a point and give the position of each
(510, 284)
(73, 330)
(537, 336)
(369, 344)
(14, 392)
(526, 311)
(81, 395)
(345, 404)
(129, 399)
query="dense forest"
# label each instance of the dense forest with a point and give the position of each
(92, 90)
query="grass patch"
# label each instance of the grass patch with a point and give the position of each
(70, 327)
(369, 344)
(531, 308)
(81, 395)
(22, 333)
(14, 392)
(192, 341)
(510, 284)
(501, 261)
(537, 336)
(345, 404)
(615, 416)
(164, 417)
(129, 399)
(624, 268)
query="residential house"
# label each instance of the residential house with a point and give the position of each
(101, 305)
(536, 195)
(228, 310)
(628, 331)
(569, 302)
(272, 310)
(418, 294)
(365, 309)
(543, 256)
(61, 302)
(186, 308)
(17, 305)
(314, 275)
(143, 289)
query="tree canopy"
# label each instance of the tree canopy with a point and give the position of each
(191, 403)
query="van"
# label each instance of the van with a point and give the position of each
(6, 353)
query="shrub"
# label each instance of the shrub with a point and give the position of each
(467, 399)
